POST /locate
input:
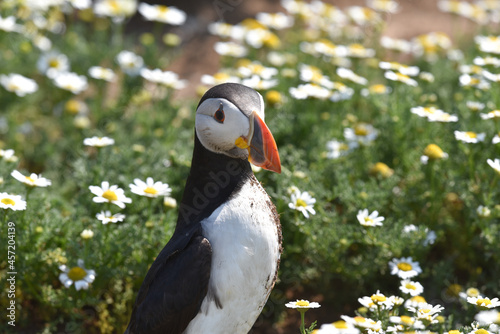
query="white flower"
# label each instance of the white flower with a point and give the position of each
(13, 202)
(230, 49)
(494, 114)
(150, 188)
(346, 73)
(303, 202)
(107, 217)
(98, 141)
(218, 78)
(376, 300)
(493, 61)
(107, 194)
(387, 6)
(98, 72)
(256, 68)
(369, 219)
(400, 45)
(129, 62)
(475, 106)
(87, 234)
(404, 267)
(401, 68)
(410, 228)
(71, 81)
(469, 136)
(362, 322)
(116, 9)
(489, 44)
(167, 78)
(226, 30)
(406, 322)
(33, 180)
(426, 76)
(275, 20)
(337, 148)
(170, 15)
(8, 155)
(9, 24)
(426, 312)
(483, 302)
(487, 317)
(309, 90)
(52, 63)
(78, 275)
(258, 83)
(396, 76)
(362, 133)
(169, 202)
(483, 211)
(18, 84)
(302, 304)
(412, 288)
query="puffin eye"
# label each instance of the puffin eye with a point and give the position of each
(219, 115)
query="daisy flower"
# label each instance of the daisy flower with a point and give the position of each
(87, 234)
(410, 287)
(386, 6)
(432, 152)
(230, 49)
(362, 322)
(400, 45)
(276, 21)
(107, 194)
(117, 10)
(348, 74)
(169, 202)
(369, 219)
(130, 63)
(467, 80)
(494, 114)
(337, 149)
(33, 180)
(470, 292)
(218, 78)
(492, 61)
(79, 275)
(357, 50)
(166, 78)
(303, 202)
(9, 24)
(337, 327)
(376, 300)
(305, 91)
(8, 155)
(377, 89)
(256, 68)
(98, 141)
(407, 321)
(226, 30)
(18, 84)
(150, 188)
(427, 312)
(362, 133)
(469, 136)
(404, 267)
(496, 138)
(396, 76)
(483, 302)
(489, 44)
(483, 211)
(52, 63)
(302, 304)
(71, 82)
(164, 14)
(107, 217)
(102, 73)
(401, 68)
(415, 302)
(475, 106)
(13, 202)
(487, 317)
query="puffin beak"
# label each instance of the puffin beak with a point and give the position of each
(262, 149)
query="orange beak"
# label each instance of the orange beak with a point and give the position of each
(262, 149)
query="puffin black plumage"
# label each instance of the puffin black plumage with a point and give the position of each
(216, 272)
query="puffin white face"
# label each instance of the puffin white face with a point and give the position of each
(219, 124)
(222, 127)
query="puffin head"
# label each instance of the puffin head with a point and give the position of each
(230, 121)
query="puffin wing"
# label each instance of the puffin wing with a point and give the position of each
(173, 290)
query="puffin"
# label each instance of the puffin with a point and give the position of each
(217, 270)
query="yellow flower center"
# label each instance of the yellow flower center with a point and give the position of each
(472, 292)
(8, 201)
(404, 266)
(300, 202)
(454, 331)
(162, 9)
(433, 151)
(53, 63)
(151, 191)
(110, 195)
(406, 320)
(425, 310)
(77, 274)
(359, 319)
(302, 303)
(221, 76)
(410, 286)
(72, 106)
(418, 299)
(483, 301)
(115, 6)
(29, 179)
(471, 134)
(341, 324)
(481, 331)
(369, 220)
(376, 298)
(378, 89)
(273, 97)
(360, 130)
(402, 77)
(12, 87)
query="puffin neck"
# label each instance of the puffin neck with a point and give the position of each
(213, 179)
